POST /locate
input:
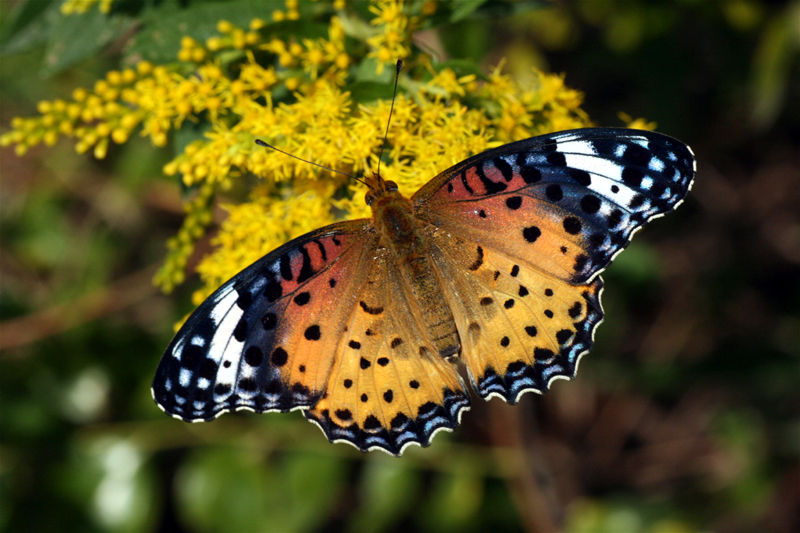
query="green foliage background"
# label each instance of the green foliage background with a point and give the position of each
(685, 416)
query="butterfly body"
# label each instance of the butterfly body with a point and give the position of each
(404, 238)
(494, 264)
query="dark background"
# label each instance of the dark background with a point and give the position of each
(685, 416)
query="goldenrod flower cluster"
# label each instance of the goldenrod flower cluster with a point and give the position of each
(396, 23)
(253, 82)
(82, 6)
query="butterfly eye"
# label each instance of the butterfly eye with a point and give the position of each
(391, 186)
(369, 197)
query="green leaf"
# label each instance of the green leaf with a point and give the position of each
(369, 91)
(772, 67)
(367, 71)
(76, 37)
(229, 489)
(388, 489)
(26, 25)
(220, 489)
(454, 499)
(311, 487)
(464, 8)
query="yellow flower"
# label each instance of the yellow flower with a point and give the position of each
(70, 7)
(638, 124)
(295, 95)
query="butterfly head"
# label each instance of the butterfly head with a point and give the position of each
(378, 188)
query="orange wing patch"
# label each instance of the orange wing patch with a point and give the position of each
(520, 327)
(388, 387)
(525, 228)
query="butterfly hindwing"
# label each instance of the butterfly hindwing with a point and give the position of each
(567, 202)
(259, 341)
(520, 328)
(389, 387)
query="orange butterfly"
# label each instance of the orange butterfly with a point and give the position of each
(494, 263)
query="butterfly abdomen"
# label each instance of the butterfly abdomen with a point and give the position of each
(402, 234)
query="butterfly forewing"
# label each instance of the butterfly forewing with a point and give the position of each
(388, 388)
(259, 341)
(566, 202)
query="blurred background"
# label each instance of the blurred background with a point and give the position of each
(684, 417)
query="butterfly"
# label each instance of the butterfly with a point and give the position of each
(493, 264)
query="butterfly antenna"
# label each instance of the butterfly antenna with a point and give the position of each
(391, 110)
(265, 145)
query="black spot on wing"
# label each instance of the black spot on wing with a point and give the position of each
(303, 298)
(632, 177)
(514, 202)
(269, 321)
(504, 168)
(580, 176)
(244, 300)
(286, 267)
(590, 204)
(557, 159)
(279, 356)
(478, 260)
(466, 183)
(492, 187)
(572, 225)
(273, 290)
(370, 310)
(313, 333)
(240, 332)
(636, 155)
(530, 174)
(372, 422)
(253, 356)
(531, 233)
(306, 271)
(322, 251)
(554, 193)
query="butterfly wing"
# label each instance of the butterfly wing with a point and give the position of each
(389, 387)
(323, 324)
(523, 232)
(519, 327)
(264, 340)
(566, 202)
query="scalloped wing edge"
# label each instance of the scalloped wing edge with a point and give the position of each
(563, 366)
(395, 441)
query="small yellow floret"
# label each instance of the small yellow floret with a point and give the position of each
(114, 77)
(144, 67)
(223, 26)
(292, 83)
(342, 61)
(214, 43)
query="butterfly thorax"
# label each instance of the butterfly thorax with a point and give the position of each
(402, 235)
